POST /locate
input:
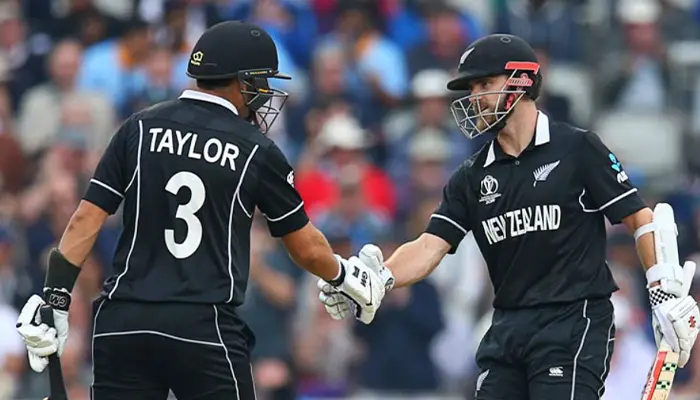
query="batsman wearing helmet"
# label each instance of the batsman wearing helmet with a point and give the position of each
(190, 173)
(536, 197)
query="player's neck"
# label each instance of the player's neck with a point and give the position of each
(519, 129)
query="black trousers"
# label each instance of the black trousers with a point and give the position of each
(143, 350)
(552, 352)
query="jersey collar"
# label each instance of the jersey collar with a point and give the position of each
(209, 98)
(541, 137)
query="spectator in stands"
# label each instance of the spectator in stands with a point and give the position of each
(268, 309)
(430, 112)
(551, 23)
(427, 159)
(23, 53)
(410, 318)
(328, 83)
(343, 142)
(40, 114)
(81, 20)
(637, 78)
(556, 106)
(351, 214)
(325, 349)
(12, 351)
(378, 72)
(111, 67)
(634, 353)
(446, 39)
(156, 81)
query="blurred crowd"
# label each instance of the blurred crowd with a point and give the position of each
(368, 129)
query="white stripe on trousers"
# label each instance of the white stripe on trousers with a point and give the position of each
(228, 359)
(580, 347)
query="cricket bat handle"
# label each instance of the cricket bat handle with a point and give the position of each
(57, 386)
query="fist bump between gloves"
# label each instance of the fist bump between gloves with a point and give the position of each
(339, 303)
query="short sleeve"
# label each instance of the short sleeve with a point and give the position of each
(608, 189)
(451, 219)
(108, 184)
(277, 198)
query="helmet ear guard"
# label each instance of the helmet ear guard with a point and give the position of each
(525, 76)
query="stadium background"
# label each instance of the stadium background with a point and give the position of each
(368, 129)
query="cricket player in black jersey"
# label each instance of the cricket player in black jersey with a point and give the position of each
(190, 173)
(536, 197)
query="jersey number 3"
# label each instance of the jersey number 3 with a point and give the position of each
(186, 213)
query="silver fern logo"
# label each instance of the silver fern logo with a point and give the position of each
(543, 172)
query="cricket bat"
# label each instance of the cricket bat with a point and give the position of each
(663, 371)
(57, 387)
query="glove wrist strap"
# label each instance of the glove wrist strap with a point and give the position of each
(61, 276)
(341, 276)
(658, 296)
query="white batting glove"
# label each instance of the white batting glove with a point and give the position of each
(338, 305)
(676, 319)
(372, 256)
(40, 339)
(361, 286)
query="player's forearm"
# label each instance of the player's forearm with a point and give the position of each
(645, 243)
(81, 233)
(415, 260)
(310, 250)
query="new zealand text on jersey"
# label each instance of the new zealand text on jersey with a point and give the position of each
(174, 142)
(519, 222)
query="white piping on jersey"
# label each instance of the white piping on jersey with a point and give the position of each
(606, 205)
(133, 177)
(236, 197)
(138, 210)
(149, 332)
(209, 98)
(230, 365)
(442, 217)
(106, 186)
(285, 215)
(542, 136)
(580, 347)
(237, 194)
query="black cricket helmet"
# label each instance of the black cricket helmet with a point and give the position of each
(243, 51)
(494, 55)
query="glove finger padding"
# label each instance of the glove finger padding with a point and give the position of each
(372, 256)
(678, 320)
(335, 303)
(38, 364)
(689, 268)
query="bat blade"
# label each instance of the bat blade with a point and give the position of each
(661, 375)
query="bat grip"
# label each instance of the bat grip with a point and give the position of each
(57, 386)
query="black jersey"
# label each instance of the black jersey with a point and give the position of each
(190, 173)
(539, 219)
